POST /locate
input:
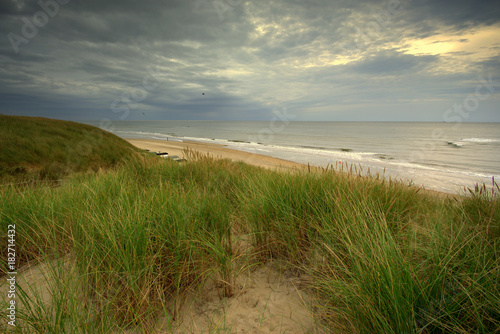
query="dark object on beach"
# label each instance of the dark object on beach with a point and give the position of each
(162, 154)
(202, 93)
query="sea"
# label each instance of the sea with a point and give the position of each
(446, 157)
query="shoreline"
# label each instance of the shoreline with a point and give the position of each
(222, 152)
(216, 150)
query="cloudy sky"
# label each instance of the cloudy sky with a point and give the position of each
(338, 60)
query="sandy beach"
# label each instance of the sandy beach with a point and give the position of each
(218, 151)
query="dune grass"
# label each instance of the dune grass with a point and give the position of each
(127, 246)
(38, 149)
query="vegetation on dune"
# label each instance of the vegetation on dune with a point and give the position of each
(33, 148)
(125, 247)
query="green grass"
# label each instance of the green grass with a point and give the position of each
(33, 148)
(125, 247)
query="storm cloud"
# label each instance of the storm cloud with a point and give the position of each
(391, 60)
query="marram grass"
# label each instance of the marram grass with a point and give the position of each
(128, 245)
(42, 150)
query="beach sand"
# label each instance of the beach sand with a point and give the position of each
(268, 299)
(215, 150)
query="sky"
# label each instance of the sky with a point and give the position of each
(315, 60)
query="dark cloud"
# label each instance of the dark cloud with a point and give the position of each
(8, 7)
(458, 13)
(326, 59)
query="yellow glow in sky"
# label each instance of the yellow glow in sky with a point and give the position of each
(325, 60)
(480, 42)
(230, 72)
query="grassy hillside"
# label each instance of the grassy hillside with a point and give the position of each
(47, 149)
(381, 257)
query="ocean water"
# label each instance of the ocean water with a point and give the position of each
(440, 156)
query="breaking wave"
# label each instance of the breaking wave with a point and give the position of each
(468, 141)
(480, 140)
